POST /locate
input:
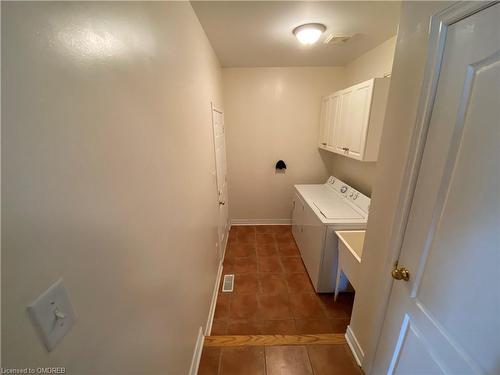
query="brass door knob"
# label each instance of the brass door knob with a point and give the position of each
(400, 273)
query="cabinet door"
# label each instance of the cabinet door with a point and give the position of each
(341, 131)
(334, 105)
(357, 120)
(324, 122)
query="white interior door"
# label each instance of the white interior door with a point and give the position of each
(446, 318)
(221, 170)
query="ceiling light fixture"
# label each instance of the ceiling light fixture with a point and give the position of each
(309, 33)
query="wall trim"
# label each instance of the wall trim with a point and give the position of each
(261, 221)
(353, 343)
(195, 362)
(215, 293)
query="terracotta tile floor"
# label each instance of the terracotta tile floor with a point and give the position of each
(279, 360)
(272, 292)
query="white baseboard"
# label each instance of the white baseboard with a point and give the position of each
(353, 343)
(215, 293)
(261, 221)
(195, 362)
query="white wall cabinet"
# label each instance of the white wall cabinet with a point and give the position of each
(352, 119)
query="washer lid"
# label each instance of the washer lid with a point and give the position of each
(336, 209)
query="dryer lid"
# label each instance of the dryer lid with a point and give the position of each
(336, 209)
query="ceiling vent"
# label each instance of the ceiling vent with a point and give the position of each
(337, 39)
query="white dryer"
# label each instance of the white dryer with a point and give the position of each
(318, 211)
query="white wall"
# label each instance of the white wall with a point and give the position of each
(409, 63)
(107, 161)
(374, 63)
(272, 114)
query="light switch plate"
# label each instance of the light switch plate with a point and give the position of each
(52, 315)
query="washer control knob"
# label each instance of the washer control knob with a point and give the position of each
(343, 189)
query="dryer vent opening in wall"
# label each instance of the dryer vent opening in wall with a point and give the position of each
(228, 284)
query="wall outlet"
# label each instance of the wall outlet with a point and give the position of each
(52, 315)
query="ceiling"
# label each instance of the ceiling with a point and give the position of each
(259, 33)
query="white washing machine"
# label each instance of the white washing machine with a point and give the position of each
(318, 211)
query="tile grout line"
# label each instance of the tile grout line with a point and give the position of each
(265, 360)
(219, 366)
(310, 361)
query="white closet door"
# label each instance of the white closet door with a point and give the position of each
(221, 170)
(446, 318)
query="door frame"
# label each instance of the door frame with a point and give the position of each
(222, 246)
(437, 37)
